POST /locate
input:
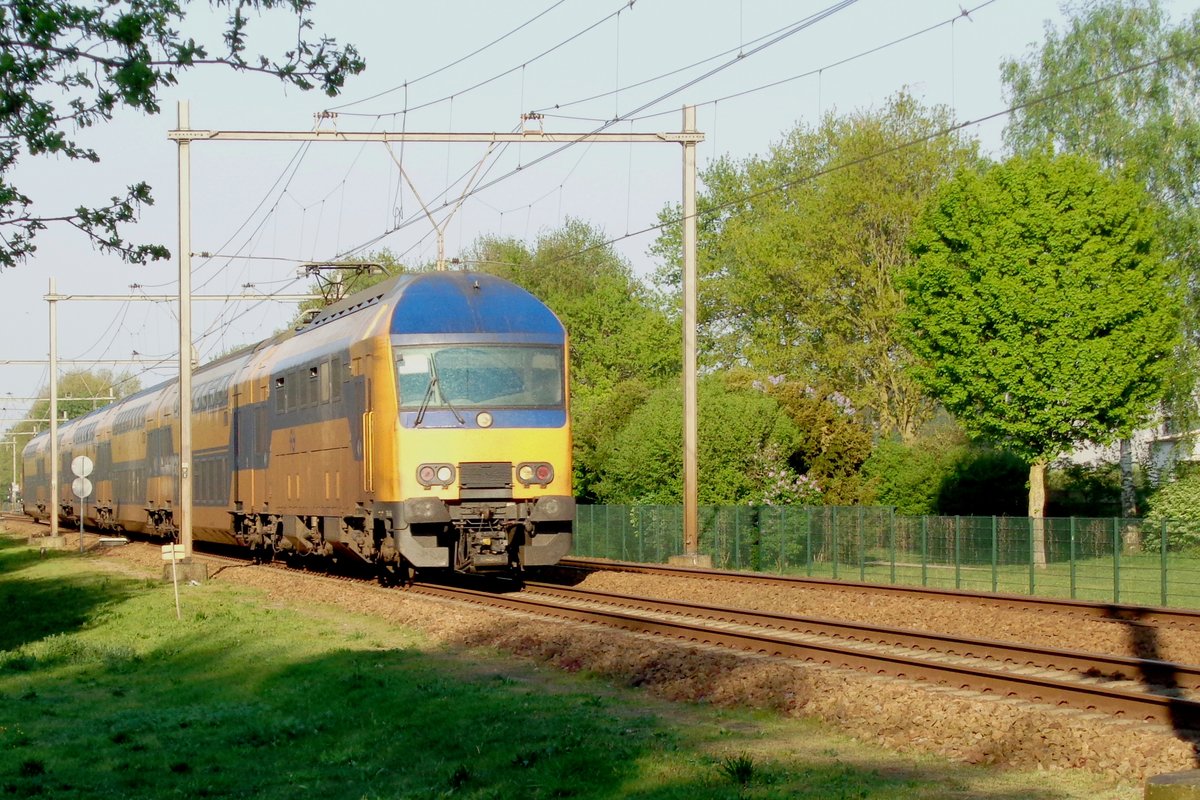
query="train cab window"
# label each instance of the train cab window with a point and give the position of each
(313, 394)
(280, 395)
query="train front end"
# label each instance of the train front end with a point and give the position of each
(483, 435)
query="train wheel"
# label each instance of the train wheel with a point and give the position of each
(401, 574)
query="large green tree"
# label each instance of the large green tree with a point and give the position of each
(1141, 120)
(799, 250)
(67, 66)
(1040, 307)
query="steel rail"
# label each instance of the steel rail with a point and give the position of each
(1108, 612)
(1181, 713)
(1096, 666)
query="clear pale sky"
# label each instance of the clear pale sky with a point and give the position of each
(284, 206)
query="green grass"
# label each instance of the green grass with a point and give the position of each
(1135, 579)
(104, 694)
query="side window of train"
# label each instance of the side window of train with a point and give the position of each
(313, 394)
(280, 395)
(323, 381)
(336, 378)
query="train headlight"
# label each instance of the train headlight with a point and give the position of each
(535, 472)
(483, 419)
(434, 474)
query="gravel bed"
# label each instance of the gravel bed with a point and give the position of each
(901, 714)
(946, 616)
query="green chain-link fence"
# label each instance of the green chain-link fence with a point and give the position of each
(1108, 560)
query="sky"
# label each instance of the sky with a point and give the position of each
(263, 209)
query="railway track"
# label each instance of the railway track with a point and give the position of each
(1155, 616)
(1162, 692)
(1123, 687)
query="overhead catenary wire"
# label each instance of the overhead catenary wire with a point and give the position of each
(405, 86)
(947, 131)
(806, 23)
(497, 76)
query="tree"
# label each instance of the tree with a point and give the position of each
(1143, 123)
(66, 66)
(737, 426)
(832, 443)
(800, 281)
(1040, 307)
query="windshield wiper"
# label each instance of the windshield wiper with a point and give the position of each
(429, 392)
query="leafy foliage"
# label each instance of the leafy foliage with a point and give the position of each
(833, 443)
(800, 281)
(1040, 307)
(1088, 490)
(1142, 123)
(942, 472)
(67, 66)
(645, 461)
(1178, 504)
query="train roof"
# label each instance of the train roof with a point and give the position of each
(451, 303)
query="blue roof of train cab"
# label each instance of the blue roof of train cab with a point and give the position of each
(471, 304)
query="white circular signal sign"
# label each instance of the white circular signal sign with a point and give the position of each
(81, 487)
(81, 466)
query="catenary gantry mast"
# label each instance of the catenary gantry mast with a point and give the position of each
(689, 137)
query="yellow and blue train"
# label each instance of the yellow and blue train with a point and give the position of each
(421, 424)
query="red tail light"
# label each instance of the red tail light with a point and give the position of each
(532, 473)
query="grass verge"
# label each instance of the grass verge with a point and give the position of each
(105, 694)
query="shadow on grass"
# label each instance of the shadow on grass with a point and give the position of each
(35, 608)
(204, 719)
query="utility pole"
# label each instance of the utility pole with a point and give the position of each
(52, 300)
(185, 335)
(691, 532)
(689, 138)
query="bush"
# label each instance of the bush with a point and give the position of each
(644, 461)
(943, 473)
(1177, 504)
(986, 482)
(1089, 490)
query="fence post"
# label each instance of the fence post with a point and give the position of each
(1163, 562)
(737, 537)
(862, 553)
(835, 544)
(924, 551)
(957, 555)
(782, 541)
(1032, 580)
(641, 531)
(808, 562)
(995, 556)
(892, 540)
(608, 553)
(1116, 560)
(1073, 558)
